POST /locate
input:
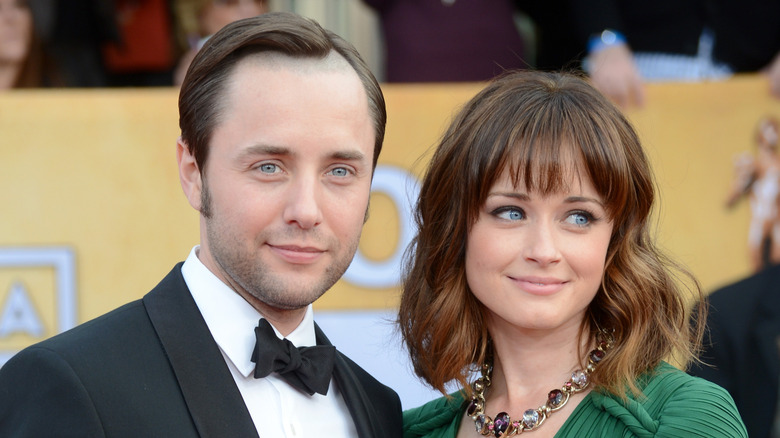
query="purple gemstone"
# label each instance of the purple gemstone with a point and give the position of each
(530, 418)
(479, 423)
(501, 424)
(554, 398)
(596, 356)
(472, 407)
(579, 378)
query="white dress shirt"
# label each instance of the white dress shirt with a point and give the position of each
(277, 409)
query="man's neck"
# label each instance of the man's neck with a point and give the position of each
(284, 320)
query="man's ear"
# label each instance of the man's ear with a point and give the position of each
(189, 174)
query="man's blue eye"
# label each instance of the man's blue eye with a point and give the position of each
(268, 168)
(340, 171)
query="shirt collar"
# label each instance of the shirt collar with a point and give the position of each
(231, 319)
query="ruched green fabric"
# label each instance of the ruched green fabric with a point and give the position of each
(675, 405)
(438, 418)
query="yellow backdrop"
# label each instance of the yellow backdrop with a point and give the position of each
(92, 215)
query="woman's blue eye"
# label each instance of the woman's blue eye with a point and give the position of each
(580, 218)
(509, 213)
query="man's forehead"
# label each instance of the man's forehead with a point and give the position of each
(272, 60)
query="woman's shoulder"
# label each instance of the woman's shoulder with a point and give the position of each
(674, 404)
(668, 384)
(437, 418)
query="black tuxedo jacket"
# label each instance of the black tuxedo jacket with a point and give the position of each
(741, 347)
(152, 369)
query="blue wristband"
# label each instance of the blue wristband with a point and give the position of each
(605, 39)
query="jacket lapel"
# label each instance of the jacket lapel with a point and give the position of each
(352, 390)
(216, 405)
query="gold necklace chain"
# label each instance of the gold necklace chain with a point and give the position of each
(502, 425)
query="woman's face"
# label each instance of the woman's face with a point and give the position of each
(219, 13)
(537, 262)
(15, 31)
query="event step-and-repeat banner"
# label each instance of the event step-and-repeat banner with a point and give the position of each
(92, 215)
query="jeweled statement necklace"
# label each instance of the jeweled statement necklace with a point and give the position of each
(502, 425)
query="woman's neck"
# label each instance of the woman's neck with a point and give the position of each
(527, 365)
(534, 366)
(527, 357)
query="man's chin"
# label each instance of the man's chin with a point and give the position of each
(284, 300)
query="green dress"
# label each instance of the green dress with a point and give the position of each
(676, 405)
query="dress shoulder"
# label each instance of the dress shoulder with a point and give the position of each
(674, 404)
(438, 418)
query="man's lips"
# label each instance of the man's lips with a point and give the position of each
(297, 254)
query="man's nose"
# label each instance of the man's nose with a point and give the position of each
(303, 203)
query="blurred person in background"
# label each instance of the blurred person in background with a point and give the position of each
(740, 349)
(145, 54)
(22, 61)
(757, 177)
(449, 40)
(73, 33)
(626, 43)
(197, 20)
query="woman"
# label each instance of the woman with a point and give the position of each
(16, 36)
(534, 264)
(23, 61)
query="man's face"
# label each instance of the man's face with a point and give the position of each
(287, 180)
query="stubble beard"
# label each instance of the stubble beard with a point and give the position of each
(243, 269)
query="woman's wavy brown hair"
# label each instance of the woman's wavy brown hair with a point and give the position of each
(526, 122)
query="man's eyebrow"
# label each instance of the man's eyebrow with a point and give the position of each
(263, 149)
(266, 149)
(348, 155)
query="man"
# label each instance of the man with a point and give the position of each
(741, 351)
(281, 125)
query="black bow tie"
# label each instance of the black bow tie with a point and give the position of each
(306, 368)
